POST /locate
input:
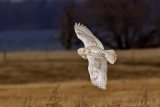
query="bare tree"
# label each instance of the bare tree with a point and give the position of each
(157, 38)
(66, 24)
(121, 23)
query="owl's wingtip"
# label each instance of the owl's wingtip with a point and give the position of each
(75, 23)
(78, 25)
(102, 88)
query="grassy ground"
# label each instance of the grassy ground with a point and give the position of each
(61, 79)
(120, 93)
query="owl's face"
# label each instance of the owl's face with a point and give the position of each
(81, 51)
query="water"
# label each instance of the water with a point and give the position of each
(37, 40)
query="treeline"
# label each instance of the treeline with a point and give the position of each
(29, 14)
(121, 24)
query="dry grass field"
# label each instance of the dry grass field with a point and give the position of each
(61, 79)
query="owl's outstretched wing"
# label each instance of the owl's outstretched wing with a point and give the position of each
(98, 71)
(86, 36)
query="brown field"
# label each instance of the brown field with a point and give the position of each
(51, 79)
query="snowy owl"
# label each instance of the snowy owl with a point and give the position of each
(96, 55)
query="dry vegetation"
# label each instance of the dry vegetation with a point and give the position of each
(82, 94)
(40, 79)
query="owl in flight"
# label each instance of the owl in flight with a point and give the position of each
(96, 55)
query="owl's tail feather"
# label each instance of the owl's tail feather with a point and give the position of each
(111, 56)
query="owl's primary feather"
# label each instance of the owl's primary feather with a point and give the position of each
(86, 36)
(96, 55)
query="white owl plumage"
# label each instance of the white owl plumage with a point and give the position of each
(96, 55)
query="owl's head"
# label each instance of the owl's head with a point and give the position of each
(81, 51)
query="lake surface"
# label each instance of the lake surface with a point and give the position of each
(40, 40)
